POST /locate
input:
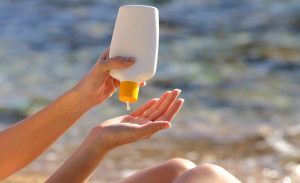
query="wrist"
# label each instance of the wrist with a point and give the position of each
(81, 97)
(98, 139)
(86, 91)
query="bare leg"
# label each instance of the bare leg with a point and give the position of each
(207, 173)
(166, 172)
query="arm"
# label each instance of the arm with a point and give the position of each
(154, 116)
(83, 161)
(21, 143)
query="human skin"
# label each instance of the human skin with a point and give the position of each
(24, 141)
(147, 120)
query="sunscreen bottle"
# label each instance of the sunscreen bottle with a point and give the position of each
(136, 34)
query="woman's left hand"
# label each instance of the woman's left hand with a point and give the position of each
(150, 118)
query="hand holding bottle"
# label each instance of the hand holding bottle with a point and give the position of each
(98, 85)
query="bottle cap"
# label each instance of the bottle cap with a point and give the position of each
(129, 91)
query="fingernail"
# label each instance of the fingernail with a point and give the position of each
(181, 99)
(166, 126)
(166, 93)
(177, 90)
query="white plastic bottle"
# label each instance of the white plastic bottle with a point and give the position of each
(135, 34)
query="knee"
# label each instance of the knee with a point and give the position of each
(208, 170)
(210, 173)
(178, 166)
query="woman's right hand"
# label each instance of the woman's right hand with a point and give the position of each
(150, 118)
(98, 85)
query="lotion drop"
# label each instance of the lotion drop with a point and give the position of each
(127, 106)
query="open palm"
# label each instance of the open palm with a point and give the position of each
(150, 118)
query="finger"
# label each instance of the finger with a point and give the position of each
(127, 119)
(116, 63)
(151, 128)
(140, 121)
(110, 85)
(165, 105)
(151, 109)
(172, 111)
(105, 54)
(144, 107)
(116, 82)
(143, 83)
(168, 100)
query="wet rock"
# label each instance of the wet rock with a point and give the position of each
(36, 104)
(9, 116)
(287, 67)
(54, 25)
(225, 16)
(236, 61)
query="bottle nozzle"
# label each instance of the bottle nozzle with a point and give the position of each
(129, 91)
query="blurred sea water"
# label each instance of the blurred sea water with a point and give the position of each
(237, 62)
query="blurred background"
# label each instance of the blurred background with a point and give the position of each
(237, 62)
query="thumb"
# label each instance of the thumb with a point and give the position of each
(116, 63)
(153, 127)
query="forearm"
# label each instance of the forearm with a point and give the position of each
(23, 142)
(83, 162)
